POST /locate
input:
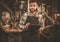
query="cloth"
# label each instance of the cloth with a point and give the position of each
(25, 16)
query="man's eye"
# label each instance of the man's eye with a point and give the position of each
(33, 5)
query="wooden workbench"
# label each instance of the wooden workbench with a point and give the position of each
(9, 30)
(11, 35)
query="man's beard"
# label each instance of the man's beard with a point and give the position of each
(33, 10)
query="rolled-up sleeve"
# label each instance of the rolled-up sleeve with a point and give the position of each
(22, 21)
(41, 20)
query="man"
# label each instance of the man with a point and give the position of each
(31, 35)
(33, 12)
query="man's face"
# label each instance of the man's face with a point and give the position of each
(33, 6)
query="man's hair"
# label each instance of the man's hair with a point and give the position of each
(31, 1)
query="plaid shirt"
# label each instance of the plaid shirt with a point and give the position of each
(39, 15)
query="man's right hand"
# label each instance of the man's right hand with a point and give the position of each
(27, 24)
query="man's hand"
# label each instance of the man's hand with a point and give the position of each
(41, 29)
(27, 24)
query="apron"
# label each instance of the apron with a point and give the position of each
(31, 35)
